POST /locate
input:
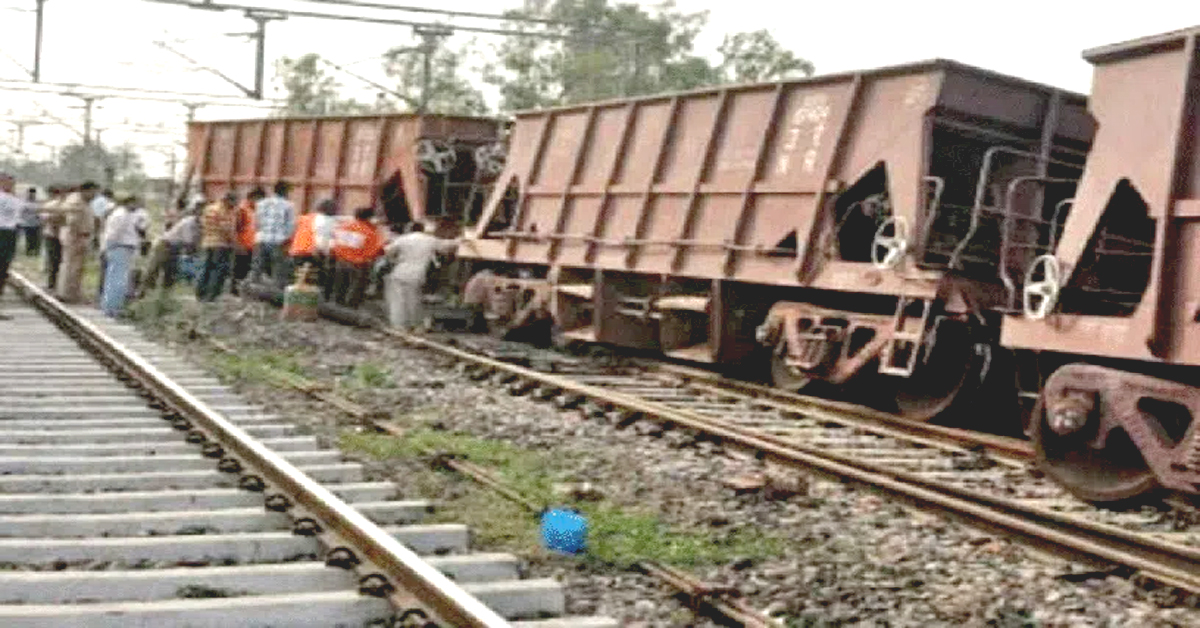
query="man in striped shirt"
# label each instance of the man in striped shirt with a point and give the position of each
(274, 224)
(218, 237)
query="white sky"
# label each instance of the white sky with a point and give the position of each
(110, 42)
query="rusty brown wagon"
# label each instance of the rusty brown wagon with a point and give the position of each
(435, 168)
(931, 232)
(821, 217)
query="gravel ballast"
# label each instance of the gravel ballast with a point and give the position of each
(847, 557)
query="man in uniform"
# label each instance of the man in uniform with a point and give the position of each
(80, 222)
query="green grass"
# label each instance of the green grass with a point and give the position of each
(617, 535)
(257, 365)
(368, 375)
(158, 304)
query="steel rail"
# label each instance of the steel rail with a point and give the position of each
(1168, 563)
(414, 583)
(862, 418)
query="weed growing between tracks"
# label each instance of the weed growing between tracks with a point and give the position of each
(256, 365)
(618, 536)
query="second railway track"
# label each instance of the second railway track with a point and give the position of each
(986, 480)
(118, 507)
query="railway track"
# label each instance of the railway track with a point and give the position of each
(136, 490)
(986, 480)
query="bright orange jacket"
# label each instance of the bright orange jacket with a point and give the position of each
(304, 244)
(246, 225)
(357, 242)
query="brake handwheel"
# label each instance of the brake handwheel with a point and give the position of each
(1046, 291)
(894, 246)
(435, 156)
(490, 158)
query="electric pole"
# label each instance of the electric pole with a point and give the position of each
(430, 37)
(19, 147)
(37, 42)
(191, 110)
(259, 36)
(89, 103)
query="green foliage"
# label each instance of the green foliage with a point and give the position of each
(369, 375)
(157, 305)
(257, 365)
(450, 89)
(756, 56)
(609, 50)
(592, 50)
(310, 89)
(617, 536)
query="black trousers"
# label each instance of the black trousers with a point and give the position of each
(8, 249)
(53, 262)
(241, 269)
(213, 274)
(33, 240)
(350, 283)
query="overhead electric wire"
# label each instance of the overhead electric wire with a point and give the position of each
(134, 93)
(412, 9)
(214, 6)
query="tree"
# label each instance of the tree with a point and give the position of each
(120, 167)
(756, 56)
(310, 90)
(450, 92)
(603, 50)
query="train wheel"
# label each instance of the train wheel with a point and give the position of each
(948, 378)
(785, 376)
(1115, 473)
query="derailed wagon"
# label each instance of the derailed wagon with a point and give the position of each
(931, 232)
(823, 218)
(432, 168)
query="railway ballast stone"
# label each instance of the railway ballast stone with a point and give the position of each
(852, 558)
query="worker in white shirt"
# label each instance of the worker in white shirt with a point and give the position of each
(123, 229)
(101, 205)
(10, 216)
(412, 254)
(164, 255)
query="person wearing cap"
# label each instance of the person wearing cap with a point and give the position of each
(122, 237)
(218, 237)
(10, 217)
(80, 222)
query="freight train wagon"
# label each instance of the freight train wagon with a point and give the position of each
(432, 168)
(935, 233)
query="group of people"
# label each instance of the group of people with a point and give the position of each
(263, 240)
(68, 227)
(259, 239)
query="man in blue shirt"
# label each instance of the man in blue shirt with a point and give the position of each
(274, 224)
